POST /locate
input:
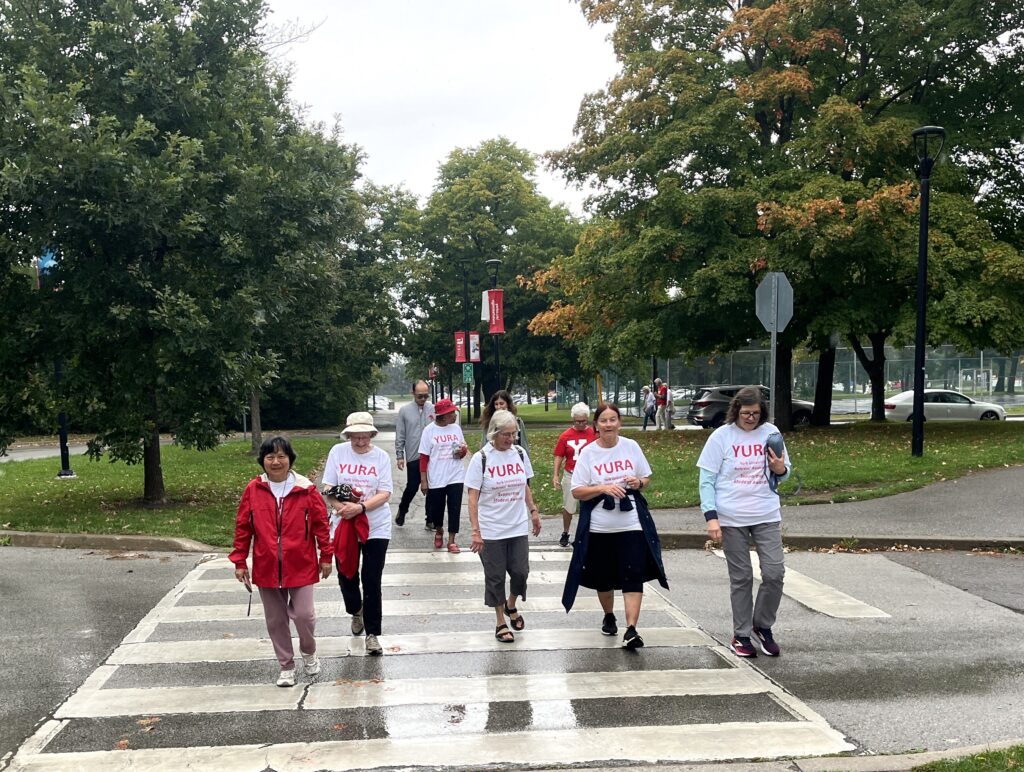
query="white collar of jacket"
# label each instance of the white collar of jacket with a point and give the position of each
(300, 481)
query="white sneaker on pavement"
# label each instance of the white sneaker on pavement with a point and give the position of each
(287, 678)
(311, 664)
(373, 647)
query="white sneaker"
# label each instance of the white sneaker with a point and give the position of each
(287, 678)
(311, 664)
(357, 624)
(373, 647)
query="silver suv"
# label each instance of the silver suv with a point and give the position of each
(711, 403)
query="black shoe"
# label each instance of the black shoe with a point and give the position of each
(429, 526)
(400, 520)
(608, 626)
(632, 639)
(564, 541)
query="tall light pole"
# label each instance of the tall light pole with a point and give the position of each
(928, 141)
(494, 264)
(44, 266)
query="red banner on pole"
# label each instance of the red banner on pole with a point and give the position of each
(460, 347)
(496, 310)
(474, 346)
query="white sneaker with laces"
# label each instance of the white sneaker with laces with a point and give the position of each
(311, 664)
(357, 623)
(287, 678)
(373, 647)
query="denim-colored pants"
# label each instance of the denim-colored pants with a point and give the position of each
(767, 539)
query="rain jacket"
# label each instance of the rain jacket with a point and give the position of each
(284, 540)
(579, 546)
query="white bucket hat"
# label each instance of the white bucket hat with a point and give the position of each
(359, 422)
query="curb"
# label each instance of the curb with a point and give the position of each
(896, 762)
(689, 540)
(106, 541)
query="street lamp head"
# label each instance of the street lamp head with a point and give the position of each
(928, 141)
(493, 264)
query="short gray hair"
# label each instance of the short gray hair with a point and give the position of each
(580, 408)
(502, 419)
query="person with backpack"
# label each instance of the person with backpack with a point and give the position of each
(739, 470)
(502, 513)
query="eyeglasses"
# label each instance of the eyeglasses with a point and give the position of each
(508, 435)
(421, 396)
(749, 414)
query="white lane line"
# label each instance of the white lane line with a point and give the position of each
(148, 623)
(535, 688)
(687, 743)
(181, 699)
(249, 649)
(396, 607)
(413, 557)
(819, 596)
(394, 580)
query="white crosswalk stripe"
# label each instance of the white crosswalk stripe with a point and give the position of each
(561, 694)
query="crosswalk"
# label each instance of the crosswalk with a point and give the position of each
(192, 686)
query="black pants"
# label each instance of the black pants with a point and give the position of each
(436, 500)
(372, 555)
(412, 486)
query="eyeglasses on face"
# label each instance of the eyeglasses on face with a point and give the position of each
(421, 396)
(508, 435)
(750, 414)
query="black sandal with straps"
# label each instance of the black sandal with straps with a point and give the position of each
(518, 623)
(501, 631)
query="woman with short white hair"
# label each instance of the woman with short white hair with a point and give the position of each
(500, 505)
(567, 450)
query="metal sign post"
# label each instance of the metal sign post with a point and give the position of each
(774, 307)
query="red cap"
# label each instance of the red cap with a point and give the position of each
(444, 407)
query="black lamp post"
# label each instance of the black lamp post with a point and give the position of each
(928, 142)
(464, 264)
(44, 266)
(494, 264)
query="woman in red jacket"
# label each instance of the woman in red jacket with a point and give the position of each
(285, 518)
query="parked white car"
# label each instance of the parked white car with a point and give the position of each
(943, 405)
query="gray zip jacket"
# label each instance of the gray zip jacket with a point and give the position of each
(408, 428)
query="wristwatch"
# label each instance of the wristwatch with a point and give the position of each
(361, 504)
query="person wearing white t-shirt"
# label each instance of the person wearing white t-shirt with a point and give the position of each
(367, 469)
(442, 448)
(737, 475)
(617, 545)
(500, 501)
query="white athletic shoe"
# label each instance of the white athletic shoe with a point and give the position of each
(311, 664)
(287, 678)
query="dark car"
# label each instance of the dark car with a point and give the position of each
(711, 403)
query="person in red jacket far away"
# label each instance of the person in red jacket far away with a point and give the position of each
(283, 517)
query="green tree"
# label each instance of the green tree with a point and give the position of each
(485, 206)
(152, 147)
(726, 115)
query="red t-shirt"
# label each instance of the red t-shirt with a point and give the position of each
(571, 442)
(662, 398)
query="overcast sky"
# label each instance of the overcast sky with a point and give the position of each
(413, 79)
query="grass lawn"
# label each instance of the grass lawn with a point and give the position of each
(535, 414)
(992, 761)
(203, 490)
(860, 460)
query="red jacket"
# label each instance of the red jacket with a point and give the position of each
(285, 541)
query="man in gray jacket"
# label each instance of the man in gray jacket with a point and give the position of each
(411, 420)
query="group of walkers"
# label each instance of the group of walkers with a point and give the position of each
(283, 517)
(657, 405)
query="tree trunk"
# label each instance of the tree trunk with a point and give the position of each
(1001, 378)
(1011, 379)
(153, 474)
(822, 415)
(875, 368)
(255, 423)
(783, 393)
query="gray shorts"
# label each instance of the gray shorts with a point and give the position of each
(501, 557)
(569, 504)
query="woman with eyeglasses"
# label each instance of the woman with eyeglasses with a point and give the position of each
(567, 449)
(737, 496)
(500, 505)
(502, 400)
(617, 545)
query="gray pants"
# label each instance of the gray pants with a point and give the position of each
(501, 557)
(767, 539)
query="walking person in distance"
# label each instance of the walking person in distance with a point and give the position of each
(567, 450)
(412, 419)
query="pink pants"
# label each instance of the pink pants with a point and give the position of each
(289, 603)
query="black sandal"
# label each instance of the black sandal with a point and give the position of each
(518, 623)
(501, 635)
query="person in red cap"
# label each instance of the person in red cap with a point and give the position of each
(442, 448)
